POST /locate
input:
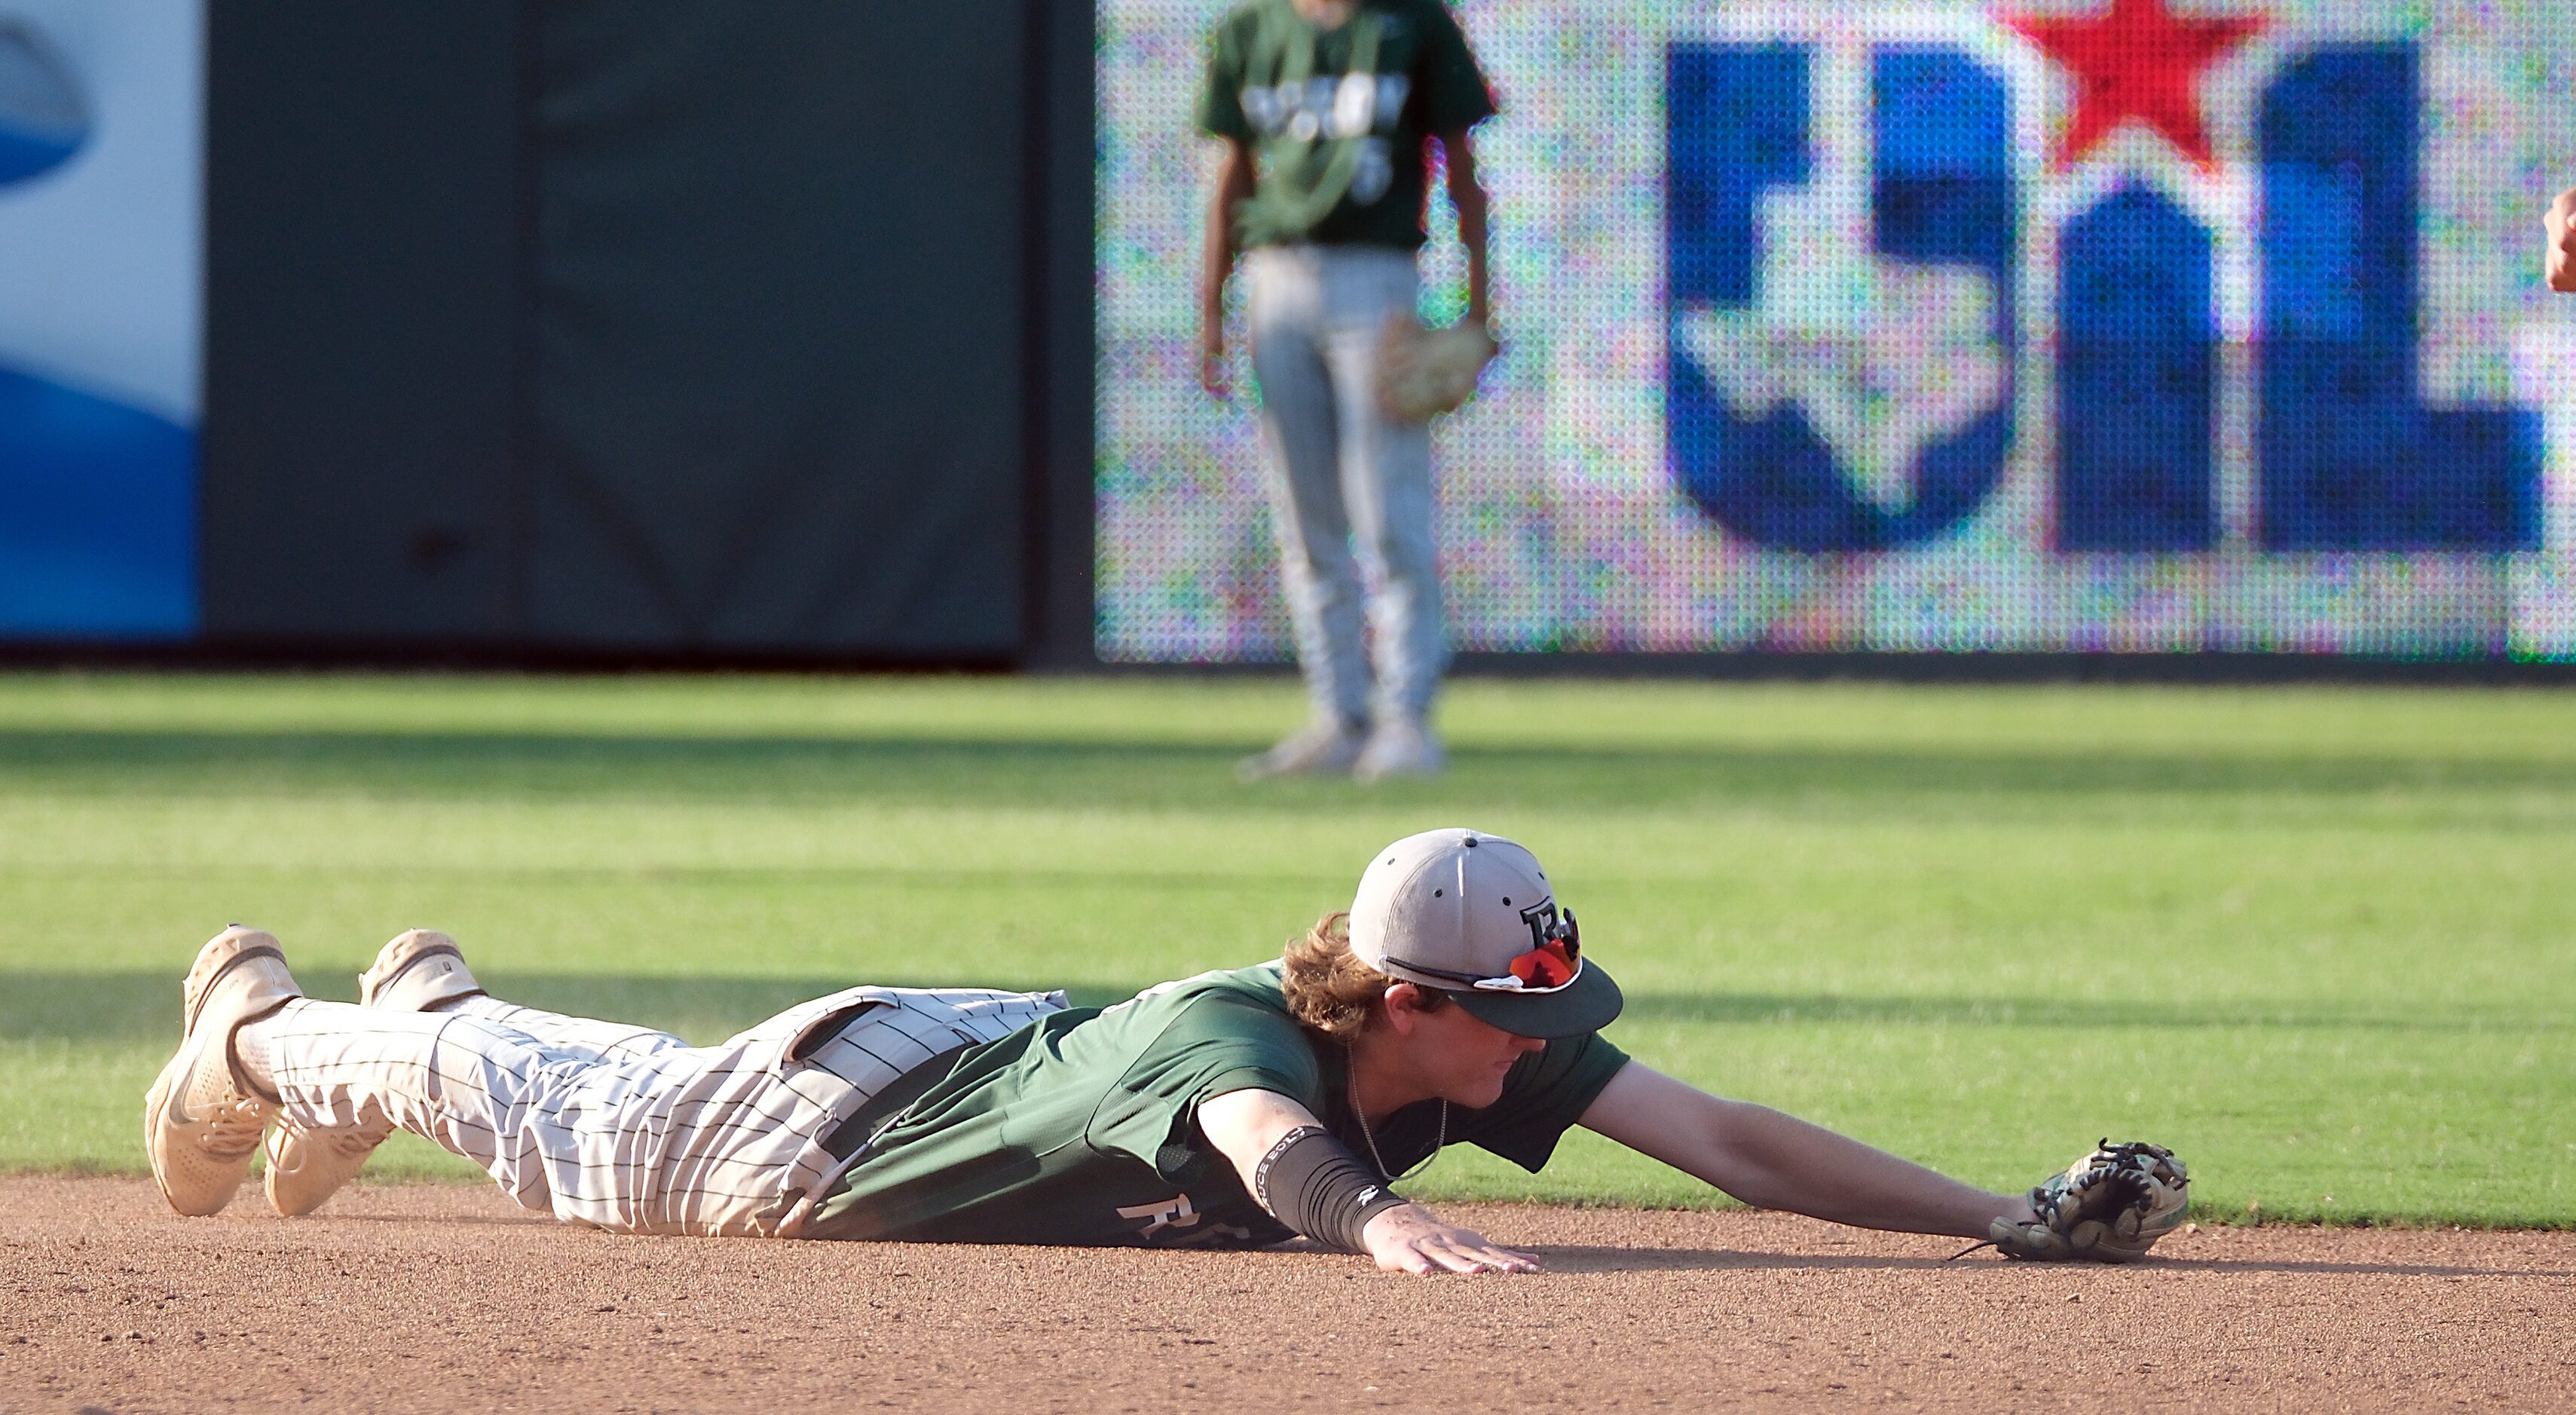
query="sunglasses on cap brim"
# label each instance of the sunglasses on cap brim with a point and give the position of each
(1551, 967)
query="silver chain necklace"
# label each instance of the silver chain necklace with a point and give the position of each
(1368, 1134)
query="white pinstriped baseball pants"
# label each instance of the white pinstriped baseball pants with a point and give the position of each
(622, 1127)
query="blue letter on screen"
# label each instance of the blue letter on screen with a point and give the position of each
(2137, 380)
(2352, 459)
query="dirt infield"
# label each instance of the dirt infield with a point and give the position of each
(447, 1298)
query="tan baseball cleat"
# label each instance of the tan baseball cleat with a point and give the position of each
(1321, 748)
(308, 1166)
(201, 1120)
(1401, 746)
(419, 970)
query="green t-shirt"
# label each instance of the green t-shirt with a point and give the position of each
(1081, 1128)
(1336, 118)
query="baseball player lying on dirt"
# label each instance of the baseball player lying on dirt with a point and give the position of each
(1233, 1109)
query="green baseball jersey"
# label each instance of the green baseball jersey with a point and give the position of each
(1336, 118)
(1081, 1128)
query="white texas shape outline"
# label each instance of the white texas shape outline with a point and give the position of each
(1885, 357)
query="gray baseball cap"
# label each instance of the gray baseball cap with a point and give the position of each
(1473, 915)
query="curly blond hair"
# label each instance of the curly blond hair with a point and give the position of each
(1328, 988)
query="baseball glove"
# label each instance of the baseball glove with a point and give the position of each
(1422, 373)
(2109, 1207)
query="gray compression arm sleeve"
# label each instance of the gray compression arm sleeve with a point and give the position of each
(1315, 1185)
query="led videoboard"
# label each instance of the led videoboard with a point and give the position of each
(2148, 326)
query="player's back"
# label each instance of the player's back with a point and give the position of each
(1077, 1128)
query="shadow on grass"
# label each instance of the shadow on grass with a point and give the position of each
(62, 1005)
(958, 771)
(53, 1006)
(2019, 1012)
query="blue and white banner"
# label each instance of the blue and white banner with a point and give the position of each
(101, 279)
(2042, 325)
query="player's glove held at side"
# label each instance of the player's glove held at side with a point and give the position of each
(2108, 1207)
(1423, 373)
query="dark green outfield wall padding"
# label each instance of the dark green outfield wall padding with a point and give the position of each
(663, 326)
(777, 321)
(361, 277)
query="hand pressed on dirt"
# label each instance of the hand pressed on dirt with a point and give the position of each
(1410, 1238)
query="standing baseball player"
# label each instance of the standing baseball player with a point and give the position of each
(1324, 108)
(1453, 1003)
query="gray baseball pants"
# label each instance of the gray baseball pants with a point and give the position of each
(1340, 471)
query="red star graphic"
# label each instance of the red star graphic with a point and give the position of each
(2139, 61)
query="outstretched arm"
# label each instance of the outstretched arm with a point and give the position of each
(1244, 1125)
(1776, 1161)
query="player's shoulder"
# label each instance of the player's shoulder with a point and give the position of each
(1230, 1004)
(1247, 997)
(1253, 992)
(1425, 14)
(1241, 18)
(1209, 1022)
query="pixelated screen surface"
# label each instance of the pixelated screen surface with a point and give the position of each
(2136, 325)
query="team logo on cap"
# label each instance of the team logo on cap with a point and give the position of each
(1555, 955)
(1546, 924)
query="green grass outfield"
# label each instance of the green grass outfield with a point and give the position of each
(2317, 940)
